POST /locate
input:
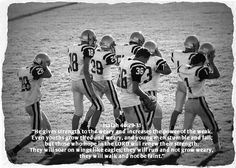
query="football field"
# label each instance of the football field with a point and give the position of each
(53, 30)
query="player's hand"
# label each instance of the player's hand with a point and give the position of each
(149, 104)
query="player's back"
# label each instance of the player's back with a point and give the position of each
(150, 78)
(30, 87)
(179, 57)
(76, 57)
(123, 52)
(100, 65)
(190, 75)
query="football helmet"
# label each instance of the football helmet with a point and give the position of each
(143, 52)
(88, 37)
(107, 43)
(151, 46)
(207, 49)
(42, 59)
(137, 38)
(191, 44)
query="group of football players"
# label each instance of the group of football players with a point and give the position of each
(140, 65)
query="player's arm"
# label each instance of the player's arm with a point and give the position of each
(157, 52)
(47, 73)
(110, 59)
(162, 67)
(215, 72)
(139, 92)
(40, 72)
(136, 74)
(88, 54)
(204, 73)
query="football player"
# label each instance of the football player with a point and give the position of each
(80, 56)
(31, 78)
(194, 76)
(124, 52)
(179, 58)
(101, 64)
(131, 72)
(155, 66)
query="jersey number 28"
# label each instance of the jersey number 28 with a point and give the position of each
(25, 84)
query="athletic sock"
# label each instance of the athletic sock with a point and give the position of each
(84, 125)
(173, 119)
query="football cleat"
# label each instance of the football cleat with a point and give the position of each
(191, 44)
(107, 43)
(137, 38)
(42, 59)
(88, 37)
(151, 46)
(207, 49)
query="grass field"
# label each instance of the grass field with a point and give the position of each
(168, 24)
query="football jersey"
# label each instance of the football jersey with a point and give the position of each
(100, 65)
(130, 70)
(123, 52)
(151, 78)
(179, 58)
(76, 56)
(30, 81)
(193, 78)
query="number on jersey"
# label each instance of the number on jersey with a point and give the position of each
(73, 62)
(96, 67)
(149, 74)
(25, 84)
(139, 71)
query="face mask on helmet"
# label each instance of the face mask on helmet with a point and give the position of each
(207, 49)
(191, 44)
(151, 46)
(137, 38)
(107, 43)
(42, 59)
(88, 37)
